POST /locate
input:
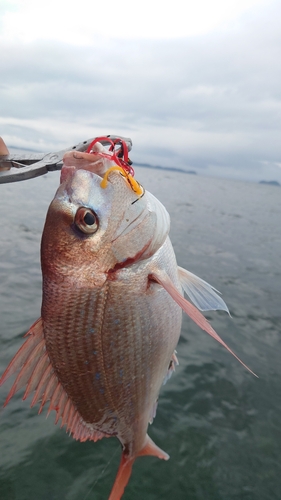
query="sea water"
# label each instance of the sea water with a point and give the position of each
(219, 424)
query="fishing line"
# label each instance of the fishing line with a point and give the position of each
(101, 474)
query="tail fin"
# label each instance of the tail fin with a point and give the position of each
(126, 464)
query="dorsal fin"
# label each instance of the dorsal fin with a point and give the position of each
(35, 371)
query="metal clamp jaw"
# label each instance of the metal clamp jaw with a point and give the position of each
(19, 167)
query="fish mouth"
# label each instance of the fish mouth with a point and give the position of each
(93, 162)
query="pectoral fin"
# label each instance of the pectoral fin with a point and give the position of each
(163, 279)
(204, 296)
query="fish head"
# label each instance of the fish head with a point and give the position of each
(106, 224)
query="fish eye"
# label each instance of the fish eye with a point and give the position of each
(86, 220)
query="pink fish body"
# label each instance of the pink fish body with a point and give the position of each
(111, 310)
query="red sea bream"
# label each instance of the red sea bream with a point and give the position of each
(111, 309)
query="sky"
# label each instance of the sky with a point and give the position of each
(196, 85)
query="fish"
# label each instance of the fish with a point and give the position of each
(112, 302)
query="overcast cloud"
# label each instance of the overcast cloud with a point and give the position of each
(210, 103)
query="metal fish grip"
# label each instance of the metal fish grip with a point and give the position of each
(20, 167)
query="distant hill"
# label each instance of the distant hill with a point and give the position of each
(272, 183)
(158, 167)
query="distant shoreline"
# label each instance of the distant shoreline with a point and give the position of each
(271, 183)
(171, 169)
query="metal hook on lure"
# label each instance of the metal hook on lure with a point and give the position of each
(125, 162)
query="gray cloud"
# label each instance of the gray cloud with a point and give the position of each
(212, 103)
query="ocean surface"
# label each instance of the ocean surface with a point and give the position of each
(220, 425)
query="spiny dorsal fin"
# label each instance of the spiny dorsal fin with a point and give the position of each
(36, 373)
(35, 335)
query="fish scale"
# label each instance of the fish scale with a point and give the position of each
(76, 376)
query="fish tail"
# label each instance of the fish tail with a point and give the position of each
(126, 464)
(122, 478)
